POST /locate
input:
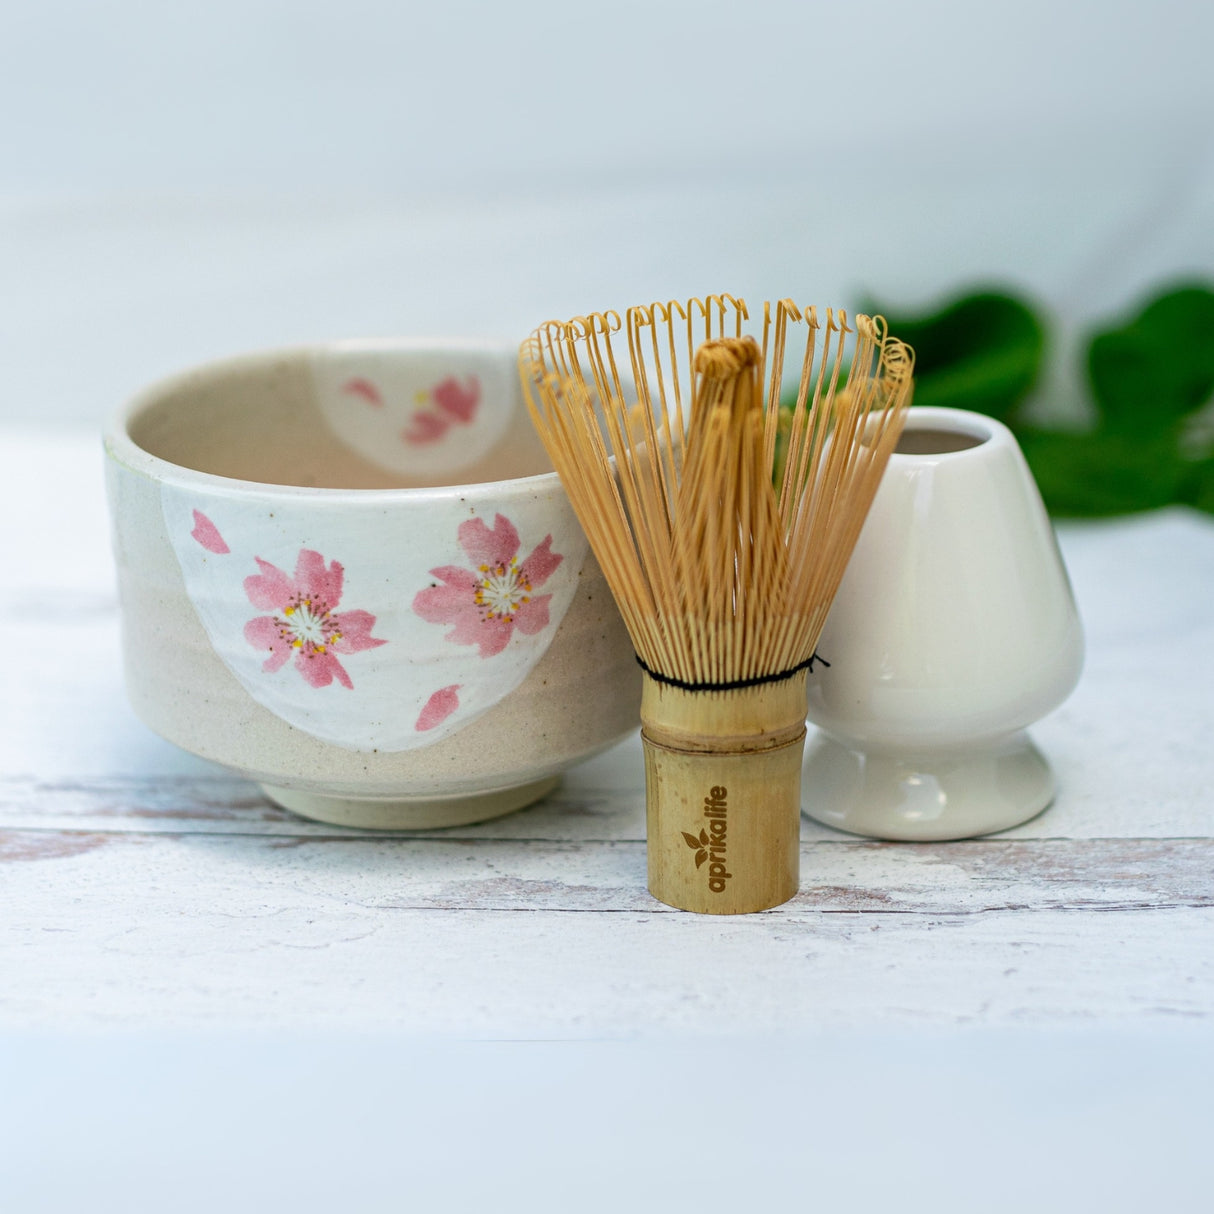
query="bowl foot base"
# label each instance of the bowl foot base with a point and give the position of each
(925, 796)
(413, 813)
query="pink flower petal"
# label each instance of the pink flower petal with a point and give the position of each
(425, 427)
(438, 707)
(445, 603)
(454, 603)
(457, 400)
(263, 633)
(315, 582)
(486, 547)
(541, 563)
(355, 628)
(532, 617)
(468, 629)
(358, 386)
(207, 534)
(490, 637)
(320, 669)
(269, 590)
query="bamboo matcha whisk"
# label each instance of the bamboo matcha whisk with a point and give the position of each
(723, 523)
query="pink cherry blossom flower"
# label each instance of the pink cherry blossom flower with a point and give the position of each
(425, 428)
(455, 405)
(305, 622)
(458, 400)
(487, 603)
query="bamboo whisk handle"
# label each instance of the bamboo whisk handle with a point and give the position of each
(723, 794)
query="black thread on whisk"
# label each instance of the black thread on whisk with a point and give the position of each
(732, 684)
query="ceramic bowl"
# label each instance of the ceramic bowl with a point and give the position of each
(347, 572)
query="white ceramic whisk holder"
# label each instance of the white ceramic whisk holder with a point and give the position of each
(953, 630)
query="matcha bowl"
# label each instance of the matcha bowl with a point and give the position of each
(348, 573)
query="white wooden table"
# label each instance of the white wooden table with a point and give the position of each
(142, 889)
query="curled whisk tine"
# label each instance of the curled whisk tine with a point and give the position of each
(595, 330)
(538, 355)
(574, 337)
(574, 333)
(586, 330)
(656, 312)
(790, 310)
(648, 421)
(724, 303)
(546, 334)
(740, 313)
(836, 321)
(604, 323)
(702, 307)
(673, 310)
(638, 318)
(773, 363)
(897, 358)
(710, 307)
(641, 316)
(715, 305)
(554, 343)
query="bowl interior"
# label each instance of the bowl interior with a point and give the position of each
(348, 416)
(936, 440)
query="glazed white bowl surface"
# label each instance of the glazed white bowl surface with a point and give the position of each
(953, 630)
(346, 573)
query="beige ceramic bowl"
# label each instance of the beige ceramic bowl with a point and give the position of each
(347, 573)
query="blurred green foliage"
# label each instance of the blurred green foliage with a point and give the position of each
(1151, 380)
(980, 352)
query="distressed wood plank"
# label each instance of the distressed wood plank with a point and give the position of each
(226, 804)
(510, 875)
(153, 931)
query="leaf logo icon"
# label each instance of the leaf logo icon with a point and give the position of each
(700, 844)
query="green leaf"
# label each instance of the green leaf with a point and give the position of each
(1185, 313)
(1150, 373)
(981, 351)
(1104, 472)
(1197, 488)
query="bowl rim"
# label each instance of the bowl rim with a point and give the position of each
(122, 449)
(990, 432)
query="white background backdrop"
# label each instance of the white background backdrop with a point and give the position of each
(182, 181)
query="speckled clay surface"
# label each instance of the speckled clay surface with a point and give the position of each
(306, 602)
